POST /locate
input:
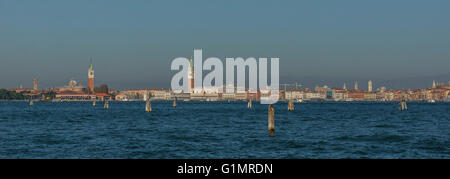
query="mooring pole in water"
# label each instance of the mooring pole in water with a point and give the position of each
(94, 103)
(106, 105)
(148, 106)
(291, 105)
(402, 105)
(31, 103)
(175, 103)
(249, 105)
(271, 119)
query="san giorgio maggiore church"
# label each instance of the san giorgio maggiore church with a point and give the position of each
(76, 91)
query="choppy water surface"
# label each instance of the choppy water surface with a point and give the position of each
(223, 130)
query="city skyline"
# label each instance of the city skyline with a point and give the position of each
(309, 82)
(133, 43)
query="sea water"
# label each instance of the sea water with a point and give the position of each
(223, 130)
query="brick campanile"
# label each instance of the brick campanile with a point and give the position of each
(91, 78)
(191, 76)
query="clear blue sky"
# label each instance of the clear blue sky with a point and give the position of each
(133, 42)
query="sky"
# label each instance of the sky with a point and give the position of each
(397, 44)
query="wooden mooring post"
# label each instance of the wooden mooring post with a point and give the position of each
(148, 106)
(106, 104)
(291, 106)
(271, 119)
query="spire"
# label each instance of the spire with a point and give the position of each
(190, 63)
(90, 66)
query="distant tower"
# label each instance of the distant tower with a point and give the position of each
(345, 86)
(356, 85)
(370, 86)
(191, 76)
(35, 84)
(20, 86)
(434, 84)
(91, 78)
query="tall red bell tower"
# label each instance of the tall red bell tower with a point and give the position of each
(91, 78)
(191, 77)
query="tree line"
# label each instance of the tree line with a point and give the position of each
(11, 95)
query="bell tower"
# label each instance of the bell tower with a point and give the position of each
(35, 84)
(191, 76)
(91, 78)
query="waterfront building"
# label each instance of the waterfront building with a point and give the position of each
(340, 94)
(121, 97)
(144, 94)
(135, 94)
(240, 96)
(315, 96)
(161, 94)
(72, 95)
(211, 90)
(380, 95)
(370, 96)
(329, 94)
(266, 94)
(180, 96)
(212, 96)
(294, 94)
(228, 96)
(356, 95)
(389, 96)
(72, 92)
